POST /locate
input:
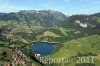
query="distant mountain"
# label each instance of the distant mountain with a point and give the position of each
(84, 23)
(46, 18)
(29, 24)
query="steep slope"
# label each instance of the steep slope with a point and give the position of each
(45, 18)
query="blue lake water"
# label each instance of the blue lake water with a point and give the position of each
(42, 48)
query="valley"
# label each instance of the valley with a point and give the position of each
(74, 36)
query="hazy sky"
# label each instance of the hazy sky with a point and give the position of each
(67, 7)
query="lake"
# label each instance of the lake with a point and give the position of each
(42, 48)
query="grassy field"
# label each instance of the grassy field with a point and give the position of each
(84, 46)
